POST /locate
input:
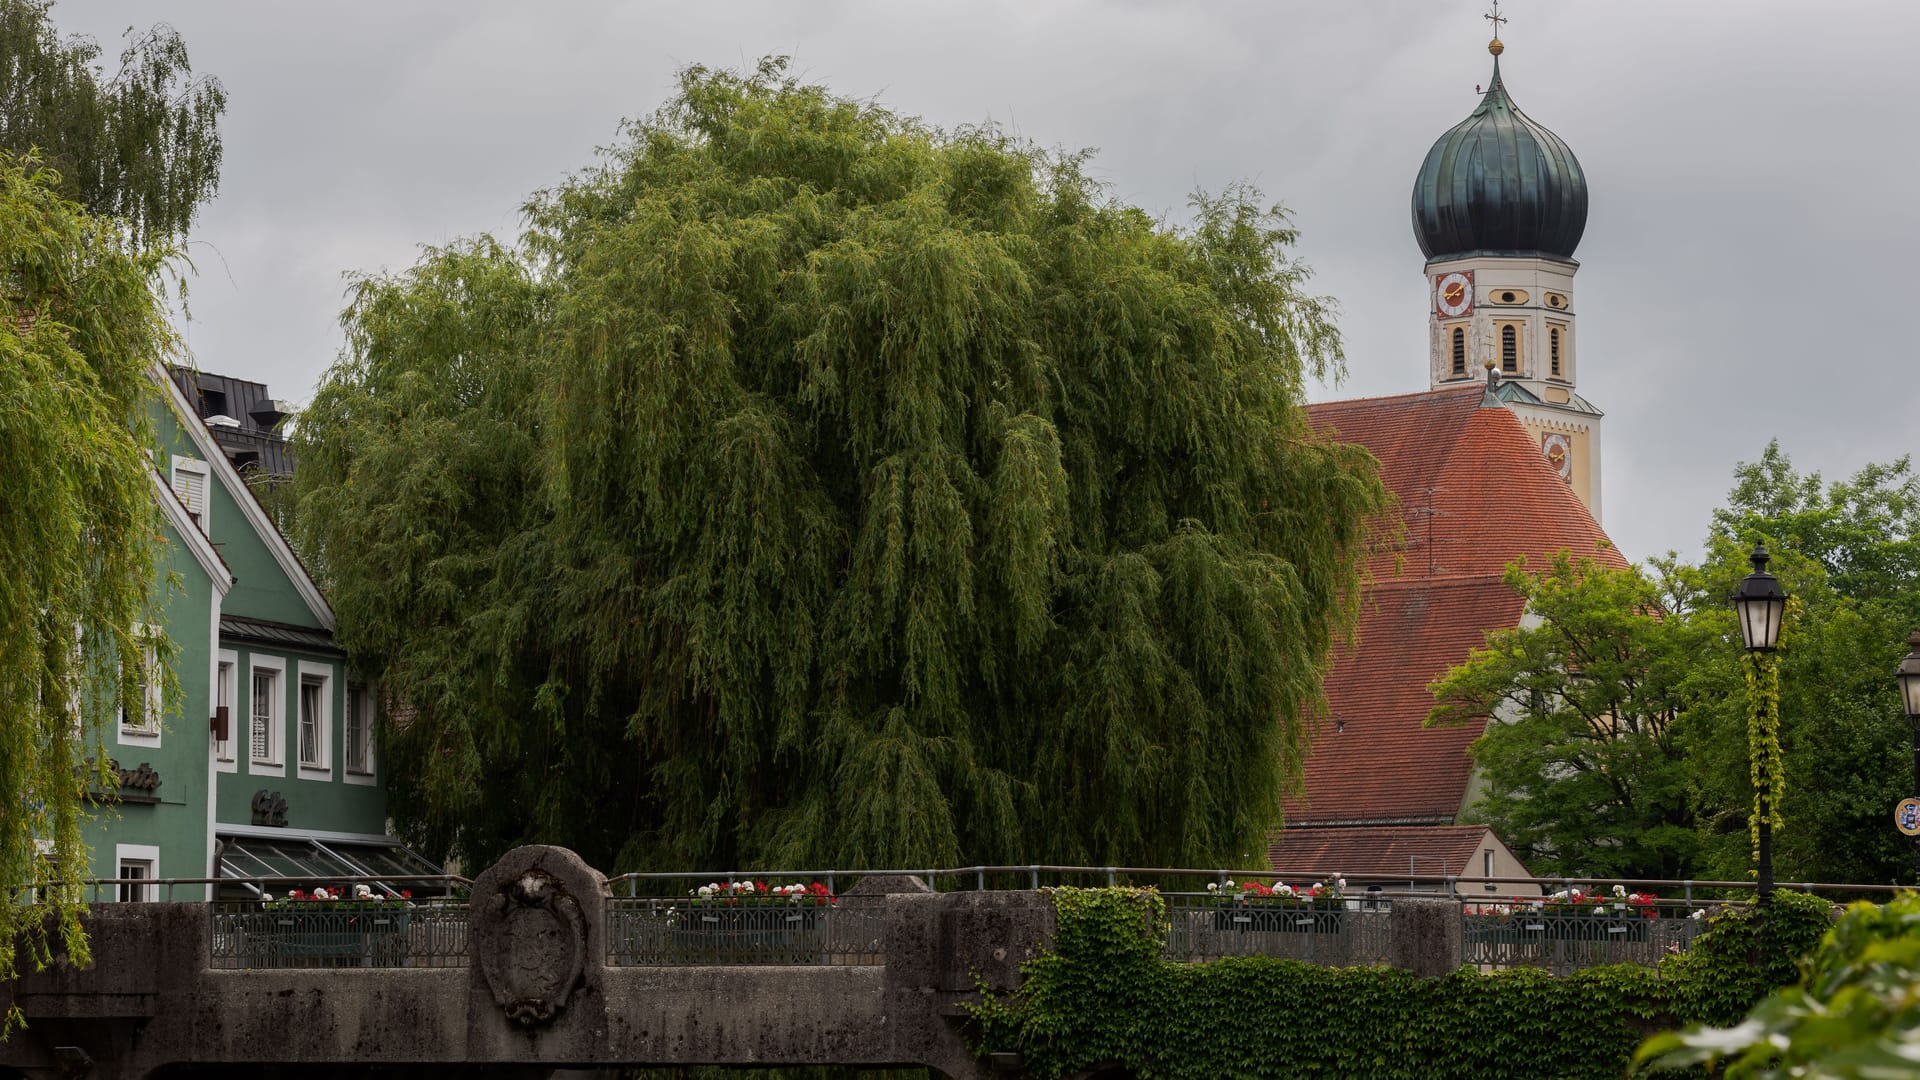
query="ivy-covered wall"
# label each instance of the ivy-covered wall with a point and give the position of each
(1104, 996)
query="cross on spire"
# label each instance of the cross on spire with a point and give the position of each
(1495, 18)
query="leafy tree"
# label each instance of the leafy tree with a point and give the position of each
(1844, 739)
(79, 325)
(1865, 530)
(1582, 765)
(1659, 646)
(814, 486)
(141, 145)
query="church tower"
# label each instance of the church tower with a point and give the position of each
(1498, 207)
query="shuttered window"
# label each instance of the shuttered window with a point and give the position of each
(190, 483)
(1459, 350)
(1510, 349)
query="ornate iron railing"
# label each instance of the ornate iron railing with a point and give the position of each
(1521, 935)
(1337, 934)
(312, 935)
(659, 932)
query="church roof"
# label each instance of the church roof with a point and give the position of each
(1499, 183)
(1474, 494)
(1441, 851)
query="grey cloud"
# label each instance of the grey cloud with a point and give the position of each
(1745, 268)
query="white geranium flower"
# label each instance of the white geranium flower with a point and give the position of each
(362, 892)
(266, 898)
(706, 891)
(1213, 886)
(1619, 891)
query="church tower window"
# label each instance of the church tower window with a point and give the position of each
(1459, 350)
(1553, 351)
(1510, 349)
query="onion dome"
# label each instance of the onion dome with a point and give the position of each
(1499, 184)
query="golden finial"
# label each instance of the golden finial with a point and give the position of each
(1495, 47)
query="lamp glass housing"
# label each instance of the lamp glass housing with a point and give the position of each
(1908, 676)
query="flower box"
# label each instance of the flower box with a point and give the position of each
(721, 933)
(1279, 919)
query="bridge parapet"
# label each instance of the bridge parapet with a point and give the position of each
(537, 989)
(542, 968)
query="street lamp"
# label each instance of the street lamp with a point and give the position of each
(1908, 676)
(1761, 606)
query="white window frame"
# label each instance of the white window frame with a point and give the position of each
(359, 700)
(228, 686)
(320, 675)
(202, 470)
(147, 732)
(273, 762)
(146, 854)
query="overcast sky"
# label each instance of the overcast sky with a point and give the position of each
(1748, 265)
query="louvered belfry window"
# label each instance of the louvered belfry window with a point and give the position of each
(1553, 338)
(1459, 350)
(1510, 349)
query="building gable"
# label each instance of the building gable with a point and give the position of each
(270, 581)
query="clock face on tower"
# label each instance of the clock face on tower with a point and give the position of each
(1559, 454)
(1453, 294)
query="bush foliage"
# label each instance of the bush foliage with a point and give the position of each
(1103, 995)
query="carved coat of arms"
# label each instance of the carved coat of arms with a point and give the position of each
(531, 940)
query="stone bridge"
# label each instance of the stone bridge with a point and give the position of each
(537, 986)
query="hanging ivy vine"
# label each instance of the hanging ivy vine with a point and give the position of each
(1763, 744)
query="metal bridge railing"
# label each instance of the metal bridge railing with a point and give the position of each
(1341, 933)
(1565, 938)
(661, 932)
(305, 934)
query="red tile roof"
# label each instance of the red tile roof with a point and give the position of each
(1475, 493)
(1429, 851)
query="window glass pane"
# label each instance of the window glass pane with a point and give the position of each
(141, 869)
(223, 699)
(357, 724)
(309, 723)
(262, 730)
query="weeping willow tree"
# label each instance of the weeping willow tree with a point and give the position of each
(812, 486)
(80, 321)
(141, 145)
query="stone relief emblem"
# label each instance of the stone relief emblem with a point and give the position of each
(532, 944)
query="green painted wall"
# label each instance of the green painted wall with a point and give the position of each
(331, 801)
(178, 823)
(261, 590)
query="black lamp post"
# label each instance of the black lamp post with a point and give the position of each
(1908, 675)
(1761, 606)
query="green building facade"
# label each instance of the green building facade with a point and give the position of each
(266, 761)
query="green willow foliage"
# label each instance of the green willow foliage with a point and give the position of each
(1104, 1001)
(79, 326)
(816, 487)
(142, 145)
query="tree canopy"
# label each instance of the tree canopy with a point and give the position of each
(814, 486)
(80, 324)
(1621, 746)
(141, 145)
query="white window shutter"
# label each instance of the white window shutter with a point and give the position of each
(190, 483)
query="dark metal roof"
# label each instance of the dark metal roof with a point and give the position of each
(1499, 184)
(248, 443)
(263, 631)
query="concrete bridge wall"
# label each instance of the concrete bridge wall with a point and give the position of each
(538, 994)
